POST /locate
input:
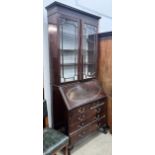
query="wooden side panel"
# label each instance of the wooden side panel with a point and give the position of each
(109, 115)
(59, 109)
(105, 73)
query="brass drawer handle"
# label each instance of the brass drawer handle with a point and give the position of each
(103, 116)
(82, 134)
(98, 110)
(96, 106)
(81, 110)
(97, 126)
(81, 125)
(81, 118)
(98, 116)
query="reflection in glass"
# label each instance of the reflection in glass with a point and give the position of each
(69, 72)
(52, 28)
(89, 51)
(68, 49)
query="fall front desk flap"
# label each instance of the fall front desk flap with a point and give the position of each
(81, 93)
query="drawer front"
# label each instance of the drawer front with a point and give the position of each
(82, 133)
(78, 121)
(77, 117)
(80, 124)
(78, 111)
(86, 131)
(83, 109)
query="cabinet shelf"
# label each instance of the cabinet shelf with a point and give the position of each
(88, 50)
(85, 37)
(68, 50)
(75, 64)
(69, 64)
(69, 35)
(89, 63)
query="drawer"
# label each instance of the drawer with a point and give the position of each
(98, 106)
(86, 130)
(80, 110)
(83, 133)
(83, 111)
(80, 124)
(83, 116)
(77, 121)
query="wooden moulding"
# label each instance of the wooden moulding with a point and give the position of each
(58, 4)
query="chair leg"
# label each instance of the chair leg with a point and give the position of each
(65, 150)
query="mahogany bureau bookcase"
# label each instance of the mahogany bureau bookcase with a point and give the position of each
(79, 105)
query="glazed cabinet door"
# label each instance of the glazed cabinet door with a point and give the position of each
(89, 50)
(68, 49)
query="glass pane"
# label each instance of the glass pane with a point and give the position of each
(89, 51)
(68, 49)
(69, 72)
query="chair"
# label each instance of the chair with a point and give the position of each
(54, 141)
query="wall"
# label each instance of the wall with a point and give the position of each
(105, 71)
(47, 89)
